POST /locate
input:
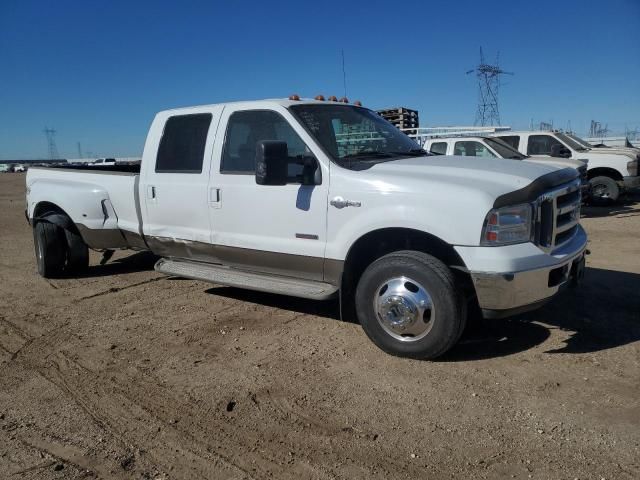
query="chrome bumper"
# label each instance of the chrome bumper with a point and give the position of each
(505, 294)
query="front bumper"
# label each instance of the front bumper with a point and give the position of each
(526, 282)
(631, 182)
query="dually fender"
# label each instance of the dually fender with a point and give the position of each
(88, 205)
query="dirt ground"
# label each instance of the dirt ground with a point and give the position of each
(129, 374)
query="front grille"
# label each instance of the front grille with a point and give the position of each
(558, 216)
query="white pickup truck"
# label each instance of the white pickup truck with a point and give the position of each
(316, 199)
(481, 146)
(610, 172)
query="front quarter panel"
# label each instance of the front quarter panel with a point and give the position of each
(455, 217)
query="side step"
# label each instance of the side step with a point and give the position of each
(250, 280)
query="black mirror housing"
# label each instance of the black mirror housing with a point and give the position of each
(272, 158)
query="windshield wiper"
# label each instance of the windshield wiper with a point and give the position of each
(368, 154)
(414, 152)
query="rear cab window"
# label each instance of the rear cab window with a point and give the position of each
(183, 142)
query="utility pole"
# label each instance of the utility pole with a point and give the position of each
(488, 76)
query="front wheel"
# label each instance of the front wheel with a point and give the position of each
(408, 305)
(604, 190)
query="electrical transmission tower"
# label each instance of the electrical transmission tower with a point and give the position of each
(50, 133)
(488, 88)
(597, 130)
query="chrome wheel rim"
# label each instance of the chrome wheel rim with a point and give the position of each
(404, 309)
(600, 190)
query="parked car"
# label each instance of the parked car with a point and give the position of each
(18, 167)
(610, 173)
(102, 162)
(317, 199)
(481, 146)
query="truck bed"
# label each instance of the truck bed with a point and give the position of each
(129, 168)
(102, 202)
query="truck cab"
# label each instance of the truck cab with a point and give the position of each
(319, 199)
(610, 173)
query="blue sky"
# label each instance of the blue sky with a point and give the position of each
(98, 71)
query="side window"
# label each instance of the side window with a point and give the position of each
(439, 148)
(182, 146)
(471, 149)
(541, 144)
(513, 140)
(246, 128)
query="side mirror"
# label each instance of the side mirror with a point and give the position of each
(272, 158)
(560, 151)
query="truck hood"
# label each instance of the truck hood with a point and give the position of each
(558, 162)
(628, 152)
(492, 176)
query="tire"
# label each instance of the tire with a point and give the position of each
(50, 247)
(604, 190)
(389, 296)
(77, 253)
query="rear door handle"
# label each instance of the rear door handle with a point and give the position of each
(151, 192)
(214, 197)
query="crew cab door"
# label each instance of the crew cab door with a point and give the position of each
(174, 183)
(268, 228)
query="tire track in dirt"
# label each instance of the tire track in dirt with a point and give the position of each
(131, 396)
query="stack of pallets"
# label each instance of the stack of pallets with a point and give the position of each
(401, 117)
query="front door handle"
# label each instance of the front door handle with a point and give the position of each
(151, 192)
(340, 202)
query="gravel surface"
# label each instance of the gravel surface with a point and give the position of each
(129, 374)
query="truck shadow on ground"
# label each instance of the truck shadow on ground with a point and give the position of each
(138, 262)
(628, 205)
(603, 313)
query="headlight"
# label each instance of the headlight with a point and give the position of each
(507, 225)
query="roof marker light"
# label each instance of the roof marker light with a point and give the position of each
(344, 100)
(294, 97)
(320, 97)
(333, 98)
(357, 103)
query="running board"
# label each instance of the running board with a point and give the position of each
(242, 279)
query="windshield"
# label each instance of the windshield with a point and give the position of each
(504, 149)
(582, 142)
(354, 135)
(572, 143)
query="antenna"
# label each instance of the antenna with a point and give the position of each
(50, 133)
(488, 88)
(79, 150)
(344, 75)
